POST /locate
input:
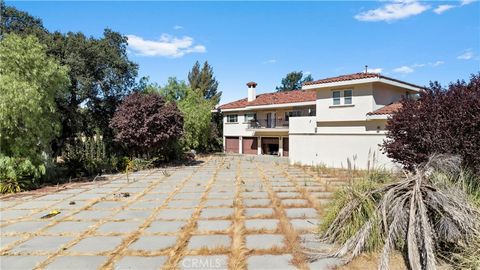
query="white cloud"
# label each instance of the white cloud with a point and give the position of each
(442, 8)
(467, 55)
(167, 46)
(466, 2)
(396, 10)
(411, 68)
(178, 27)
(404, 70)
(375, 70)
(270, 61)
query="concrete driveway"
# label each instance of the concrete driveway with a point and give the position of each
(227, 212)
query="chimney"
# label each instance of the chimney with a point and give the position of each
(251, 91)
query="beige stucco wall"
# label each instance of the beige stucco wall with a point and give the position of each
(332, 143)
(384, 94)
(336, 133)
(362, 103)
(240, 128)
(334, 150)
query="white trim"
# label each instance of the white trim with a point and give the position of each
(378, 116)
(361, 81)
(271, 106)
(381, 133)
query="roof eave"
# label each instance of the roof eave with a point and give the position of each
(270, 106)
(362, 81)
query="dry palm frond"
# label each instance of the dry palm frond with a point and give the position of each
(422, 215)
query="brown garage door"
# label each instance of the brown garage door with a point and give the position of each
(231, 144)
(250, 145)
(285, 147)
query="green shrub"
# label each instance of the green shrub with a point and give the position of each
(143, 164)
(86, 157)
(17, 174)
(120, 163)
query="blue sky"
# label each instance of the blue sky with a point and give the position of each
(410, 40)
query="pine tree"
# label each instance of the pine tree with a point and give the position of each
(294, 81)
(203, 80)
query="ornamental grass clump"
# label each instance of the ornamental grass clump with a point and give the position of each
(427, 215)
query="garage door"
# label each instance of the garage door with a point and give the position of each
(250, 145)
(285, 147)
(231, 144)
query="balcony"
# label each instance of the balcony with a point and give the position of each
(268, 124)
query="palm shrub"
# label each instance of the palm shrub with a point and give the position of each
(427, 215)
(17, 174)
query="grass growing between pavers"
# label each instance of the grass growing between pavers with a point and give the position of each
(123, 248)
(291, 239)
(238, 249)
(178, 252)
(225, 208)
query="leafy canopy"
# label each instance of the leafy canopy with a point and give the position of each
(197, 115)
(441, 121)
(30, 82)
(195, 108)
(294, 81)
(146, 124)
(100, 73)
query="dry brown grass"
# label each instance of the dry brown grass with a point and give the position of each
(238, 250)
(178, 251)
(88, 232)
(292, 243)
(122, 248)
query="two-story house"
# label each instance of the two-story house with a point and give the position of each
(328, 122)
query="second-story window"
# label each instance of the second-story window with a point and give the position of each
(292, 114)
(347, 97)
(342, 97)
(249, 117)
(336, 97)
(232, 118)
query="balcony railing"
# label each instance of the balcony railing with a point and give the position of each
(268, 123)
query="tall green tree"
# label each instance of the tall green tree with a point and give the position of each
(101, 76)
(174, 90)
(30, 82)
(197, 118)
(100, 73)
(294, 81)
(202, 79)
(13, 20)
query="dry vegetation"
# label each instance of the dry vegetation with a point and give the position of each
(428, 215)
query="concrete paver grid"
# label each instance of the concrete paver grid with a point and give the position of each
(195, 210)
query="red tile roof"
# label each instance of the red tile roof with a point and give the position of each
(388, 109)
(357, 76)
(294, 96)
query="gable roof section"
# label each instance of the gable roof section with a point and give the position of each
(294, 96)
(388, 109)
(358, 76)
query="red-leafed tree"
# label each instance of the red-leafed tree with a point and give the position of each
(440, 121)
(147, 125)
